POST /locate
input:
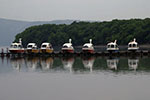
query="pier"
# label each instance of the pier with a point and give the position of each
(60, 54)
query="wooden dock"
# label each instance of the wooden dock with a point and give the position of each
(60, 54)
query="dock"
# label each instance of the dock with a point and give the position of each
(60, 54)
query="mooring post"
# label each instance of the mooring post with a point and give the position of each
(7, 53)
(7, 50)
(2, 52)
(141, 53)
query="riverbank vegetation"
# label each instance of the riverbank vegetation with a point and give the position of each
(80, 32)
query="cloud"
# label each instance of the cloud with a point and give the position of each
(74, 9)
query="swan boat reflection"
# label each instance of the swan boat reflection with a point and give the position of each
(46, 63)
(32, 63)
(133, 64)
(88, 62)
(112, 63)
(68, 63)
(17, 63)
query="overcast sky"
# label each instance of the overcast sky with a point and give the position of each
(99, 10)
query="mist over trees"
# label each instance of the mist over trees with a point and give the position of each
(80, 32)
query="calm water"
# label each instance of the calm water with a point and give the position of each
(74, 78)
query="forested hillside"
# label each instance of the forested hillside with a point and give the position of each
(80, 32)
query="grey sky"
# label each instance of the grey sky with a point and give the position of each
(40, 10)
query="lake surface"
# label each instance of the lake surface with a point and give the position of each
(74, 78)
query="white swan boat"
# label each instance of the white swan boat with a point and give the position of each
(17, 47)
(46, 48)
(133, 45)
(67, 47)
(88, 47)
(32, 48)
(112, 46)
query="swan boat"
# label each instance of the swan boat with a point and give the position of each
(17, 47)
(67, 47)
(112, 46)
(46, 48)
(88, 47)
(32, 48)
(133, 45)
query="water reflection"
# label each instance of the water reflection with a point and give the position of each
(76, 64)
(68, 63)
(112, 63)
(17, 63)
(88, 62)
(133, 63)
(46, 63)
(32, 63)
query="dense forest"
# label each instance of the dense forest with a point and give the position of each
(80, 32)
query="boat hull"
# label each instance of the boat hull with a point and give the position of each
(16, 51)
(32, 51)
(133, 49)
(46, 50)
(87, 51)
(113, 49)
(67, 51)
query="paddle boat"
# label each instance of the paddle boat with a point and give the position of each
(32, 48)
(67, 47)
(112, 46)
(133, 45)
(88, 47)
(46, 48)
(17, 47)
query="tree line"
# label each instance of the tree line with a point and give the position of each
(80, 32)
